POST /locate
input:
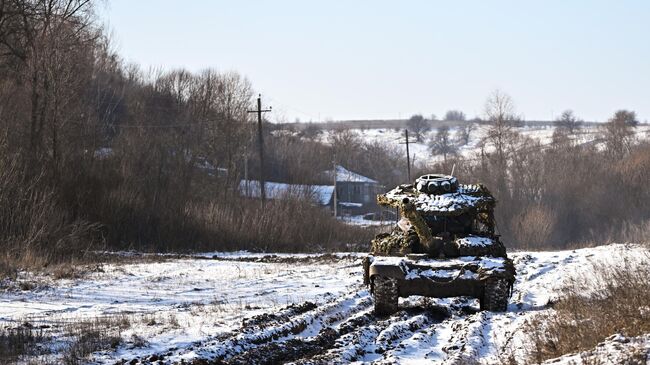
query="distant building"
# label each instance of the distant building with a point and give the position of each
(356, 194)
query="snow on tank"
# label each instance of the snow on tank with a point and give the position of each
(438, 195)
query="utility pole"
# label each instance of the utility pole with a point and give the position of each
(408, 154)
(260, 140)
(334, 197)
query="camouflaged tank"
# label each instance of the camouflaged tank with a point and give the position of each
(444, 246)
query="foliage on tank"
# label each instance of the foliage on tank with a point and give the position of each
(396, 243)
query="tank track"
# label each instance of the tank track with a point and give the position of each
(495, 295)
(386, 295)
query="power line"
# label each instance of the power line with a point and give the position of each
(175, 125)
(287, 106)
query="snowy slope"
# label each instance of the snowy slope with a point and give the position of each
(303, 308)
(420, 151)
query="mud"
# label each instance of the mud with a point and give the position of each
(337, 332)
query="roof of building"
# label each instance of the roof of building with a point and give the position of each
(345, 175)
(320, 194)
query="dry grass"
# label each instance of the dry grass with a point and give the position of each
(73, 340)
(88, 336)
(282, 226)
(82, 337)
(18, 341)
(585, 317)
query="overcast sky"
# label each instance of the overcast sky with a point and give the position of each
(387, 59)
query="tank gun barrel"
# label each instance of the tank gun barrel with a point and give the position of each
(408, 211)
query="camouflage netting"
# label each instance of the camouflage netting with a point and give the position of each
(395, 243)
(468, 197)
(400, 243)
(484, 267)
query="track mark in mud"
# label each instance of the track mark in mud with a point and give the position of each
(468, 337)
(369, 338)
(295, 332)
(283, 315)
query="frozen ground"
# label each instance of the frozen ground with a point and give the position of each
(251, 308)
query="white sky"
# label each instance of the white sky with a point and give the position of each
(386, 59)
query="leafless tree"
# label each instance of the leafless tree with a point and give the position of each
(464, 134)
(568, 121)
(418, 126)
(441, 143)
(619, 132)
(500, 114)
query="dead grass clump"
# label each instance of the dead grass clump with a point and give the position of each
(585, 317)
(81, 337)
(74, 269)
(101, 333)
(7, 270)
(87, 343)
(18, 341)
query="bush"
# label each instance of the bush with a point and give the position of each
(585, 316)
(35, 230)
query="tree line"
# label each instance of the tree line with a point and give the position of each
(95, 153)
(568, 193)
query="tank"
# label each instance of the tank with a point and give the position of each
(444, 245)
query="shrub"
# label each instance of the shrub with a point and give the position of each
(615, 300)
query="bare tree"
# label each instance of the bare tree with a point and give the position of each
(568, 121)
(500, 113)
(418, 126)
(464, 134)
(619, 132)
(49, 47)
(441, 143)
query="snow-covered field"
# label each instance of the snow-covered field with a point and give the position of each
(249, 308)
(421, 152)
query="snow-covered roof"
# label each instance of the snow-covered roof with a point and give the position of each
(345, 175)
(350, 204)
(320, 194)
(103, 152)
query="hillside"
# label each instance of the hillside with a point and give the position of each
(391, 133)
